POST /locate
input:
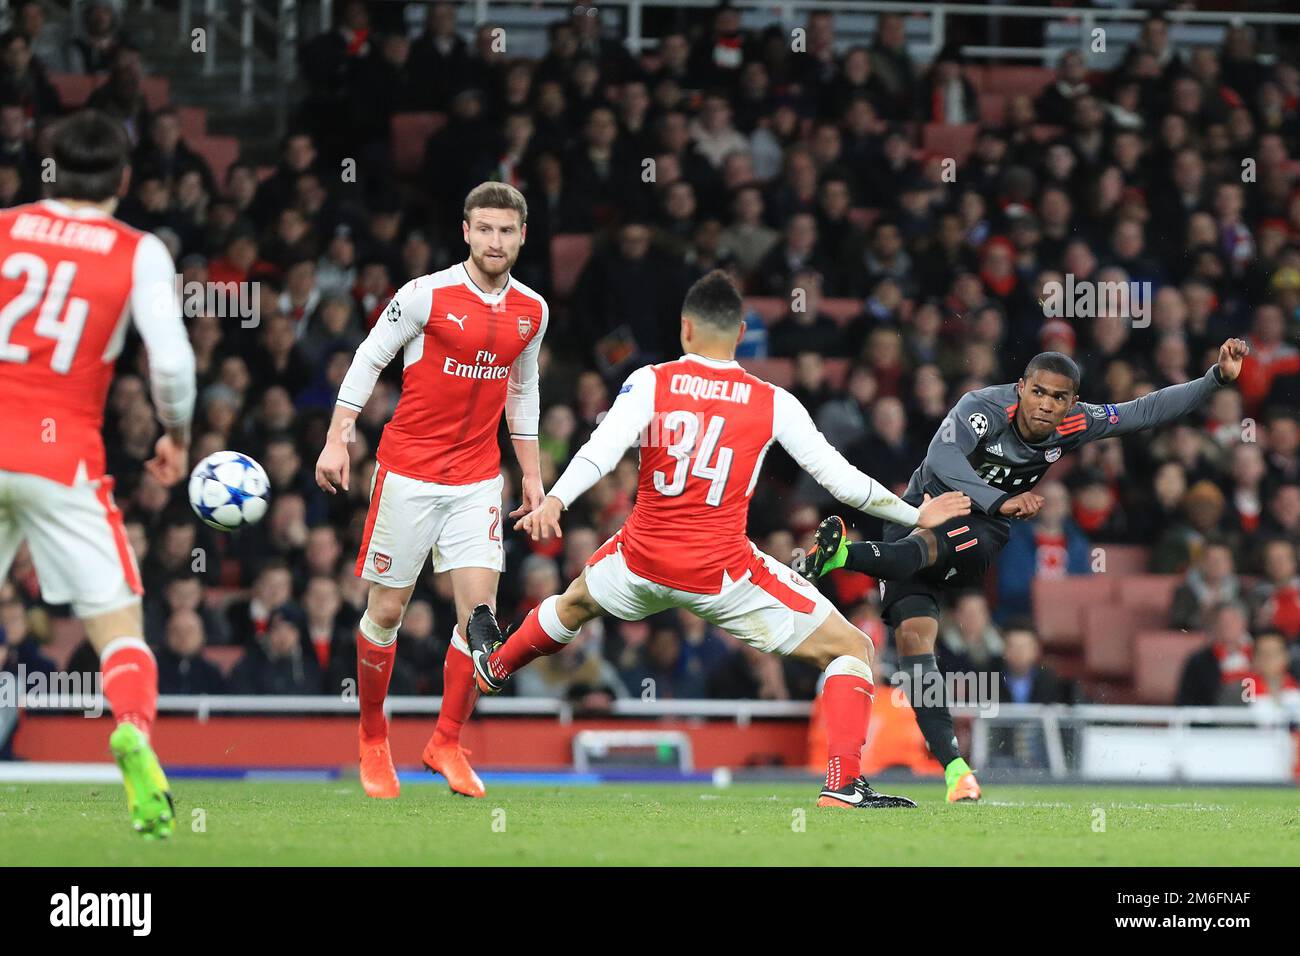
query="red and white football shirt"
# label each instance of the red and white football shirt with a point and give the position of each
(704, 427)
(70, 279)
(469, 355)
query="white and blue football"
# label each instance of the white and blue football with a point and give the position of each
(229, 490)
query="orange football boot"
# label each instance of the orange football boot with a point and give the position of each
(449, 760)
(966, 789)
(378, 776)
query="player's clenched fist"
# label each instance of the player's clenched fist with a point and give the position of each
(935, 511)
(1231, 353)
(332, 467)
(1024, 505)
(544, 521)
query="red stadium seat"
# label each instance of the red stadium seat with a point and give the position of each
(156, 90)
(225, 658)
(953, 141)
(74, 88)
(1158, 658)
(841, 310)
(837, 372)
(993, 108)
(1012, 80)
(569, 255)
(1125, 559)
(1152, 591)
(977, 74)
(772, 308)
(778, 371)
(194, 121)
(1059, 603)
(220, 152)
(408, 134)
(1108, 631)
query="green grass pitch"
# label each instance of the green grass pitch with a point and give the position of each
(234, 823)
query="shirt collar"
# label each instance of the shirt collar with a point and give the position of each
(490, 298)
(711, 362)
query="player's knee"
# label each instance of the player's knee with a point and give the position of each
(912, 640)
(385, 608)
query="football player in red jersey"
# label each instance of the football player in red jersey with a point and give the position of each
(70, 276)
(469, 337)
(704, 425)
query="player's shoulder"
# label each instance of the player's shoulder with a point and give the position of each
(1084, 415)
(987, 410)
(528, 292)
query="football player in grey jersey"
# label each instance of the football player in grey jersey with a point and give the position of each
(995, 445)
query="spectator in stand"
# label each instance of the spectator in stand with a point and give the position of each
(1282, 442)
(1275, 600)
(23, 80)
(272, 589)
(1222, 663)
(1202, 507)
(277, 662)
(182, 668)
(1271, 687)
(1210, 582)
(805, 326)
(122, 97)
(1025, 679)
(1050, 546)
(969, 641)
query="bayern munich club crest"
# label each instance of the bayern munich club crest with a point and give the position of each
(1052, 454)
(525, 326)
(382, 562)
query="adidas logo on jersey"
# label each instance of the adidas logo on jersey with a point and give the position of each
(995, 449)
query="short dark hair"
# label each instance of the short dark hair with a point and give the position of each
(714, 301)
(90, 152)
(1058, 363)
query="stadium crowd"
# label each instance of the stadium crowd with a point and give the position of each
(723, 148)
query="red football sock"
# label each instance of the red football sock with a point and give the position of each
(374, 669)
(459, 693)
(130, 681)
(846, 704)
(525, 645)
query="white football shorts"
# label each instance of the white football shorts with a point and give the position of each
(409, 519)
(771, 607)
(77, 540)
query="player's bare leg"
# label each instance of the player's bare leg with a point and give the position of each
(844, 653)
(472, 589)
(915, 638)
(376, 651)
(130, 685)
(547, 630)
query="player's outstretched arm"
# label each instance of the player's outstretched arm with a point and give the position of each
(793, 427)
(618, 431)
(1168, 404)
(935, 511)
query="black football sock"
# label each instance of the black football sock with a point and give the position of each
(928, 693)
(891, 561)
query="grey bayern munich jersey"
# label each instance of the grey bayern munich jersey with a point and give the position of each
(977, 449)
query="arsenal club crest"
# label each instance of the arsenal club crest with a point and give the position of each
(525, 327)
(382, 562)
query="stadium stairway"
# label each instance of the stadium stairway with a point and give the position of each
(254, 122)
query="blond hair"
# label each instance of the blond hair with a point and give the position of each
(492, 195)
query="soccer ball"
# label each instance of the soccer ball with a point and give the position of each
(229, 490)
